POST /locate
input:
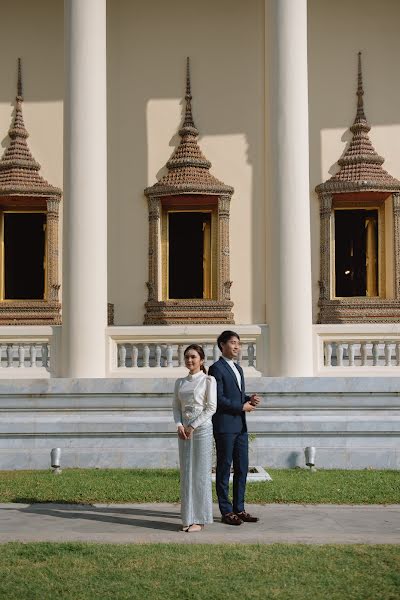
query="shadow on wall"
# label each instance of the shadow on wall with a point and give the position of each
(147, 48)
(335, 35)
(34, 32)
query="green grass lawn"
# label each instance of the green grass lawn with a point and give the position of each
(130, 485)
(90, 571)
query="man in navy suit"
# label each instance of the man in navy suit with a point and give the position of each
(230, 430)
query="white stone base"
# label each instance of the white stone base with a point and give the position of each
(354, 423)
(254, 475)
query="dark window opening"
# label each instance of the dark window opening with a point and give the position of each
(356, 252)
(188, 254)
(24, 255)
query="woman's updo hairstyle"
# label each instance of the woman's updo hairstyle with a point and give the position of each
(200, 352)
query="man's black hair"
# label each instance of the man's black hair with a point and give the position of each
(225, 337)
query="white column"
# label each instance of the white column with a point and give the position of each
(85, 190)
(289, 247)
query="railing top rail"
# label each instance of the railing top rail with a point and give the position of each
(359, 329)
(184, 331)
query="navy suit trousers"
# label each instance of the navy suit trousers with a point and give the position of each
(231, 448)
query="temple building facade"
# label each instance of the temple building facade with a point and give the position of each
(167, 173)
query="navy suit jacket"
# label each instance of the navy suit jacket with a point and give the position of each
(230, 416)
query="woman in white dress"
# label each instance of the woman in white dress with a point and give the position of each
(195, 402)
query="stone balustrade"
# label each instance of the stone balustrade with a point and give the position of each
(21, 355)
(369, 349)
(159, 351)
(28, 352)
(362, 353)
(172, 355)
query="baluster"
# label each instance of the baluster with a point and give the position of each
(10, 353)
(33, 355)
(146, 355)
(375, 353)
(122, 356)
(251, 353)
(352, 350)
(135, 354)
(170, 353)
(206, 350)
(21, 356)
(181, 356)
(45, 355)
(388, 354)
(240, 355)
(158, 355)
(216, 352)
(339, 354)
(364, 353)
(398, 354)
(328, 354)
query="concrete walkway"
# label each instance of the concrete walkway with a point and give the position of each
(159, 523)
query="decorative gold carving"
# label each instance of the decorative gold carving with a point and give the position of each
(325, 246)
(360, 166)
(224, 283)
(360, 182)
(195, 312)
(53, 284)
(110, 314)
(22, 187)
(188, 175)
(396, 233)
(154, 235)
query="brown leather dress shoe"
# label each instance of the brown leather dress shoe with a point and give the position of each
(231, 519)
(246, 517)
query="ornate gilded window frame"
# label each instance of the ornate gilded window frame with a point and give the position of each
(159, 308)
(379, 206)
(2, 254)
(188, 181)
(211, 282)
(384, 308)
(44, 311)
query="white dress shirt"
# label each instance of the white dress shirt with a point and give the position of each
(235, 370)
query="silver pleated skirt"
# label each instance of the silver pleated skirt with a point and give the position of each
(195, 459)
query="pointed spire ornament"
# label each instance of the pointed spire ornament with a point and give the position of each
(188, 122)
(19, 84)
(188, 168)
(19, 172)
(360, 93)
(360, 166)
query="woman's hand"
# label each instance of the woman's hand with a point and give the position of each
(188, 431)
(182, 433)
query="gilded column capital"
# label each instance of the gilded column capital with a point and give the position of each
(154, 209)
(325, 207)
(224, 204)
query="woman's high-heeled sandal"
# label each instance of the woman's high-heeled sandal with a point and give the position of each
(193, 528)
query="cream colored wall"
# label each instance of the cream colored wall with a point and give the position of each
(337, 31)
(147, 47)
(34, 32)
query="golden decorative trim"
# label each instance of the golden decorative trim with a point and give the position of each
(360, 183)
(360, 166)
(188, 182)
(195, 312)
(210, 280)
(380, 208)
(23, 189)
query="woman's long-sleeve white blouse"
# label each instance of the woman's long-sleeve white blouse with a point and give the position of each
(195, 399)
